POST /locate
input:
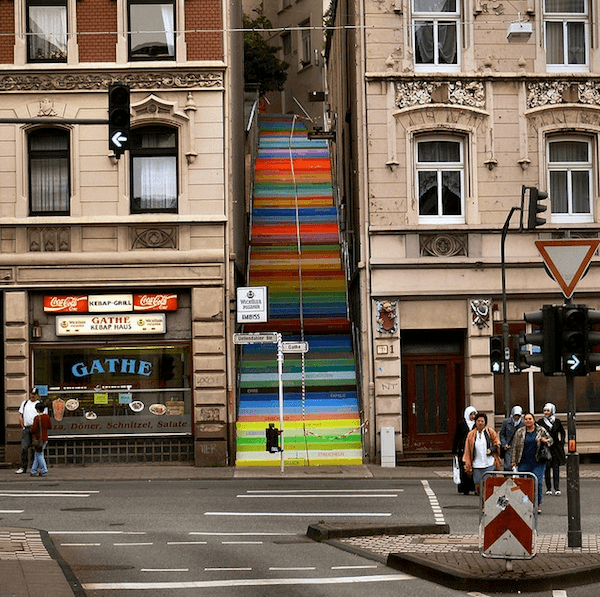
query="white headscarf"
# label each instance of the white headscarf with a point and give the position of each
(516, 410)
(468, 411)
(550, 420)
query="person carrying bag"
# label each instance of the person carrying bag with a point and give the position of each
(39, 433)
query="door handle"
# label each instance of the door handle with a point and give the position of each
(414, 408)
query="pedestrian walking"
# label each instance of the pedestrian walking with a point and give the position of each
(463, 428)
(482, 450)
(556, 430)
(27, 414)
(507, 432)
(39, 432)
(525, 452)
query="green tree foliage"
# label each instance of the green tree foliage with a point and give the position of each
(261, 65)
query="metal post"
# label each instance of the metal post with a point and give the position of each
(505, 340)
(280, 386)
(573, 496)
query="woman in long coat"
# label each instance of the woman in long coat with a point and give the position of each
(557, 432)
(466, 484)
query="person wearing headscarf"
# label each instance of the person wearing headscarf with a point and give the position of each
(556, 430)
(482, 450)
(458, 448)
(507, 432)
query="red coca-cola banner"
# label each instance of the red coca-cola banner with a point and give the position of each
(65, 304)
(155, 302)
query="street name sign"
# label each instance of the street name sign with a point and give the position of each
(292, 347)
(252, 304)
(568, 260)
(255, 338)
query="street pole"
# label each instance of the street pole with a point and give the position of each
(280, 389)
(573, 496)
(505, 342)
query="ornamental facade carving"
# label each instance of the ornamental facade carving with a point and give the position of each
(457, 93)
(443, 245)
(101, 81)
(552, 93)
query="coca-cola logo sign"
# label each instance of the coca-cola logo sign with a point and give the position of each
(109, 303)
(155, 302)
(66, 304)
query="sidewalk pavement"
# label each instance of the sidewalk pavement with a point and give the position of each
(30, 565)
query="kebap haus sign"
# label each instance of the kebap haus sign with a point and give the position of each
(95, 325)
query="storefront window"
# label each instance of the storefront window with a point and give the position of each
(115, 390)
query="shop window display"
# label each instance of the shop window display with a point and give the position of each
(115, 390)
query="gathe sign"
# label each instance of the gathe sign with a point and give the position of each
(97, 325)
(253, 304)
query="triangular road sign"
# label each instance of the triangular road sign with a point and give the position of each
(567, 260)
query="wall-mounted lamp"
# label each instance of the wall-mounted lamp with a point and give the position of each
(519, 31)
(36, 330)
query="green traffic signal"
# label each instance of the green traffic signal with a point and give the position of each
(496, 354)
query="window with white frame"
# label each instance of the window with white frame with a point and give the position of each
(436, 34)
(49, 172)
(151, 29)
(153, 155)
(570, 175)
(305, 44)
(566, 24)
(46, 30)
(440, 177)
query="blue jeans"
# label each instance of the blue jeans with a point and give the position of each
(39, 461)
(538, 470)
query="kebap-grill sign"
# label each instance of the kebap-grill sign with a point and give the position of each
(108, 303)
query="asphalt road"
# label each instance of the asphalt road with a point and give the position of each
(247, 537)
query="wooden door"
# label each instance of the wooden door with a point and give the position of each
(432, 390)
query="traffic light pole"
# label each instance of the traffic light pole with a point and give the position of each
(505, 342)
(573, 495)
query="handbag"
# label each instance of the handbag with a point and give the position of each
(455, 470)
(543, 453)
(38, 442)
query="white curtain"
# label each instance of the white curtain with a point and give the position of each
(169, 24)
(49, 175)
(570, 178)
(155, 182)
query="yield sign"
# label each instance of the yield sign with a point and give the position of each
(567, 260)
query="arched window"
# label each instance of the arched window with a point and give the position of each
(153, 154)
(440, 178)
(49, 172)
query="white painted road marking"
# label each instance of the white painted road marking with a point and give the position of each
(187, 542)
(287, 514)
(12, 511)
(320, 496)
(227, 569)
(40, 493)
(248, 582)
(241, 542)
(433, 501)
(320, 490)
(559, 594)
(208, 533)
(80, 544)
(291, 568)
(164, 569)
(131, 544)
(96, 532)
(352, 567)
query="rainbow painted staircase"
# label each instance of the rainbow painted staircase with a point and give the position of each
(295, 251)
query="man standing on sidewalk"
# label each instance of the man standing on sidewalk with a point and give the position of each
(27, 413)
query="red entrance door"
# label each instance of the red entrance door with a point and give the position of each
(432, 389)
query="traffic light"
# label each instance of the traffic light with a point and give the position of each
(118, 118)
(272, 434)
(548, 359)
(496, 354)
(574, 335)
(535, 208)
(520, 353)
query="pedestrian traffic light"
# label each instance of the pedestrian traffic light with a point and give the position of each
(496, 354)
(574, 338)
(548, 359)
(535, 208)
(118, 118)
(272, 434)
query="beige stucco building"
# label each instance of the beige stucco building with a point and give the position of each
(443, 110)
(117, 275)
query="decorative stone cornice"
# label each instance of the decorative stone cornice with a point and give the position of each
(99, 81)
(455, 93)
